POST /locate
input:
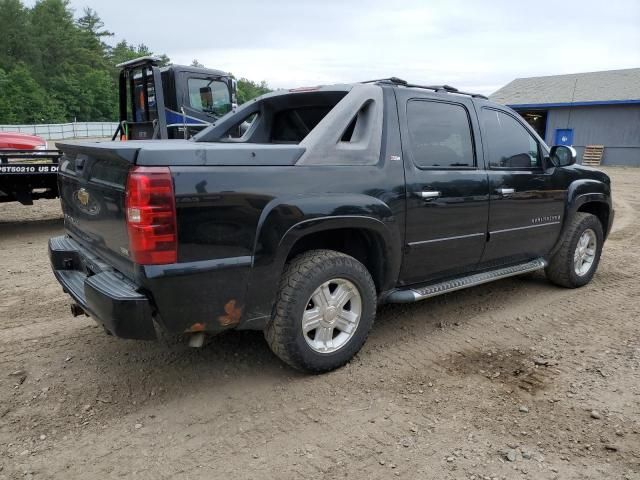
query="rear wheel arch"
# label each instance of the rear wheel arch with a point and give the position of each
(366, 246)
(274, 250)
(366, 239)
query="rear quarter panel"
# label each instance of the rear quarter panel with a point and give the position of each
(238, 222)
(243, 218)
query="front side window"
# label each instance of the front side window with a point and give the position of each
(209, 96)
(509, 144)
(440, 134)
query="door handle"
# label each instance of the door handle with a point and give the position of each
(505, 192)
(429, 195)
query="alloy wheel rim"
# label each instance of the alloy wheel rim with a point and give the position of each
(585, 252)
(332, 315)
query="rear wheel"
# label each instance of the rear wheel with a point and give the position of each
(575, 263)
(325, 308)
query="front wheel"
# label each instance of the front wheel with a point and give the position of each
(325, 308)
(576, 261)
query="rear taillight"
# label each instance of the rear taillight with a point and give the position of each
(151, 216)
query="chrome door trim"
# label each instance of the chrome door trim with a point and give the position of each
(524, 228)
(444, 239)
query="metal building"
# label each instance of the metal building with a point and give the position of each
(582, 109)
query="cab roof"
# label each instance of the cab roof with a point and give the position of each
(436, 88)
(155, 61)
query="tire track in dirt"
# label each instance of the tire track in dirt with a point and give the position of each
(420, 401)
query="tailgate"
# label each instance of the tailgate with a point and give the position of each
(92, 182)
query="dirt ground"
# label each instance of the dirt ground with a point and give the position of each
(514, 379)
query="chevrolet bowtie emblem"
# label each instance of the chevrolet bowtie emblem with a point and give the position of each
(83, 197)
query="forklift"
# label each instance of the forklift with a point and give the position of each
(170, 102)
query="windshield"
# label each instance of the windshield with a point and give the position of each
(209, 96)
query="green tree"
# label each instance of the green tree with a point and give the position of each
(55, 67)
(6, 109)
(24, 101)
(124, 52)
(56, 42)
(15, 42)
(248, 89)
(91, 23)
(96, 87)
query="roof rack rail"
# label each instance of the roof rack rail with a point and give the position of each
(448, 89)
(435, 88)
(395, 80)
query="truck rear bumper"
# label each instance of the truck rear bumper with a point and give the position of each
(107, 296)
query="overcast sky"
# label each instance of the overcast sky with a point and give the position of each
(479, 46)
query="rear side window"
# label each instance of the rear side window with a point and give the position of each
(509, 145)
(439, 134)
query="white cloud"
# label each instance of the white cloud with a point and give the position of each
(469, 44)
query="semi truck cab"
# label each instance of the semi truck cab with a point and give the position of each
(170, 102)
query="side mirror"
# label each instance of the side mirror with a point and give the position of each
(563, 155)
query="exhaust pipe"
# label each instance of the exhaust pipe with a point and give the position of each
(196, 340)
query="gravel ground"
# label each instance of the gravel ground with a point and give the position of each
(514, 379)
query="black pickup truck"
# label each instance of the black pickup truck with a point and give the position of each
(326, 203)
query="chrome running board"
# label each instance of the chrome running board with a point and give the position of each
(415, 294)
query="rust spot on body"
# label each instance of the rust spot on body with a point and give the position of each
(232, 314)
(196, 327)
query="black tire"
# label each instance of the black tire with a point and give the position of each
(302, 276)
(561, 269)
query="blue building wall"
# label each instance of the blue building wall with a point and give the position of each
(617, 127)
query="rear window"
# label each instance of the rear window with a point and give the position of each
(279, 119)
(292, 125)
